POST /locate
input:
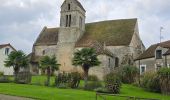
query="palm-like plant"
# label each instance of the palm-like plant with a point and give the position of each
(16, 59)
(86, 58)
(49, 64)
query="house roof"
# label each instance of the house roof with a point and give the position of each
(4, 45)
(112, 33)
(150, 52)
(48, 36)
(168, 52)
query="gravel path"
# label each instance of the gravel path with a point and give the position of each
(7, 97)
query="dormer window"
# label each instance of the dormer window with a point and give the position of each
(158, 54)
(68, 6)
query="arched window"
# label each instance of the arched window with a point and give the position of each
(69, 6)
(116, 62)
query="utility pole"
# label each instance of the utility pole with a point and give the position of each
(161, 28)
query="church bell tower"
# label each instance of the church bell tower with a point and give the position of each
(72, 27)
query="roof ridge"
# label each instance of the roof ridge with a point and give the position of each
(110, 20)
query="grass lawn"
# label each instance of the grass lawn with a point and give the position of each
(52, 93)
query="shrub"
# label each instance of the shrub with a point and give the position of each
(71, 80)
(113, 82)
(93, 85)
(4, 79)
(93, 78)
(164, 79)
(74, 80)
(1, 73)
(150, 81)
(129, 74)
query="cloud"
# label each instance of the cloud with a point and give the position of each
(22, 20)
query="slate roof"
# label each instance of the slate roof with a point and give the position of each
(150, 52)
(48, 36)
(4, 45)
(112, 33)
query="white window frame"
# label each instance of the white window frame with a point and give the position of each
(157, 66)
(168, 65)
(161, 54)
(141, 69)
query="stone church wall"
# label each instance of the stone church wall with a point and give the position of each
(48, 50)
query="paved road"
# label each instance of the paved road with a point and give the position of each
(7, 97)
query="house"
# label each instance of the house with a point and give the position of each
(154, 58)
(5, 50)
(117, 42)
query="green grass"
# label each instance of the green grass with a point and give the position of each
(52, 93)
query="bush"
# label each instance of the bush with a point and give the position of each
(129, 74)
(93, 78)
(74, 79)
(4, 79)
(164, 79)
(150, 81)
(71, 80)
(93, 85)
(113, 82)
(1, 73)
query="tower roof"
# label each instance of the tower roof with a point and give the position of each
(78, 3)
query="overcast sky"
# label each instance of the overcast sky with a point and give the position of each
(22, 20)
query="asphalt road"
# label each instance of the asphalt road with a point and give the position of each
(7, 97)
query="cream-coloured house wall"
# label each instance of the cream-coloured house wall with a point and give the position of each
(3, 57)
(150, 64)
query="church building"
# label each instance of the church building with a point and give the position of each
(117, 42)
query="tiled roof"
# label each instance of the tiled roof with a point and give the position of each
(112, 33)
(48, 36)
(150, 52)
(4, 45)
(168, 52)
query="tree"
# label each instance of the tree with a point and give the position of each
(49, 64)
(16, 59)
(86, 58)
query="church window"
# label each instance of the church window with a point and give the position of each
(43, 53)
(69, 20)
(66, 20)
(116, 62)
(80, 22)
(109, 63)
(68, 6)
